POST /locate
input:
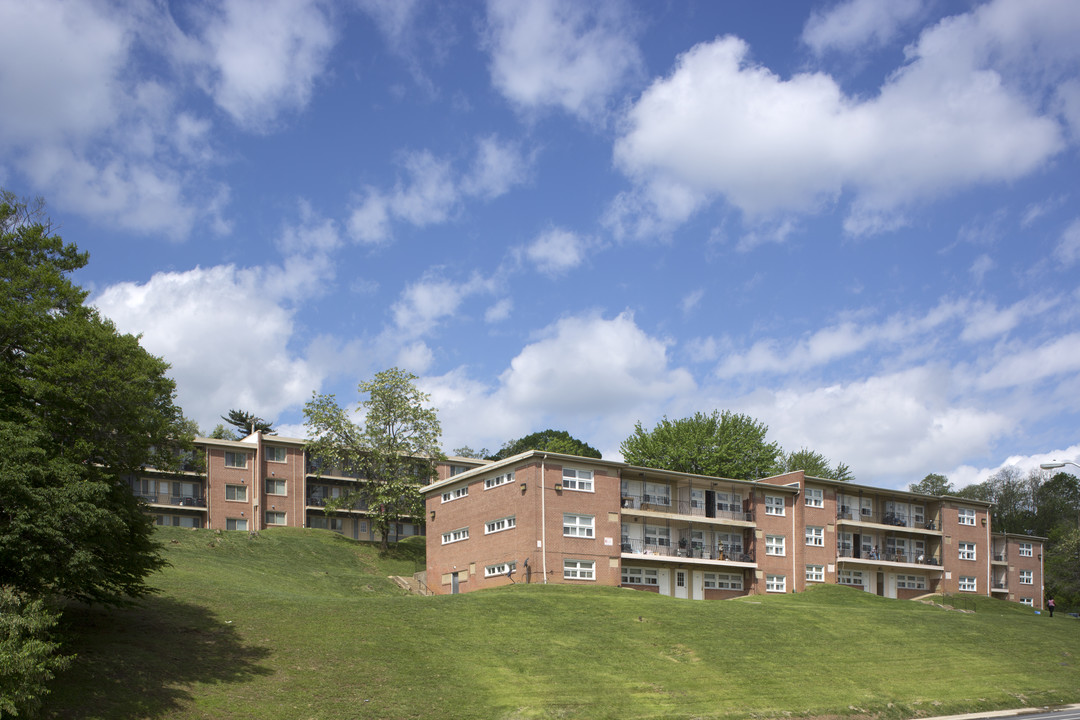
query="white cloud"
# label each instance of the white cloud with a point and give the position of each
(1023, 366)
(557, 251)
(853, 24)
(498, 167)
(691, 300)
(1067, 251)
(951, 118)
(982, 265)
(561, 53)
(499, 311)
(965, 475)
(428, 301)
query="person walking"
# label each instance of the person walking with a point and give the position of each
(1050, 606)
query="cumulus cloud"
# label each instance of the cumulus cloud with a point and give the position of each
(559, 53)
(854, 24)
(1067, 251)
(963, 111)
(557, 251)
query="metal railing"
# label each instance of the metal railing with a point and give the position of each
(321, 502)
(694, 508)
(899, 557)
(169, 499)
(721, 553)
(846, 512)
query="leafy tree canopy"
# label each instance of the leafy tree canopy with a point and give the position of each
(813, 464)
(468, 452)
(723, 444)
(220, 432)
(396, 449)
(932, 484)
(248, 423)
(557, 441)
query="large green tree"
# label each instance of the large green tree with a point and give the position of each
(724, 444)
(395, 450)
(932, 484)
(557, 441)
(813, 464)
(248, 422)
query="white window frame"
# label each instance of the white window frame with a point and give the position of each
(640, 576)
(579, 526)
(815, 573)
(657, 494)
(237, 491)
(776, 583)
(775, 545)
(774, 505)
(453, 536)
(498, 480)
(723, 581)
(279, 518)
(1030, 602)
(1024, 549)
(236, 524)
(273, 452)
(965, 550)
(815, 497)
(495, 526)
(965, 516)
(851, 578)
(579, 569)
(455, 494)
(968, 583)
(577, 480)
(659, 534)
(910, 582)
(237, 457)
(1027, 577)
(274, 484)
(500, 569)
(815, 536)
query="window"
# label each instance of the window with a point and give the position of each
(1024, 549)
(455, 493)
(457, 470)
(729, 502)
(275, 454)
(581, 480)
(722, 581)
(640, 576)
(918, 515)
(776, 583)
(235, 459)
(850, 577)
(774, 544)
(731, 544)
(657, 493)
(657, 535)
(577, 525)
(236, 524)
(910, 582)
(815, 573)
(1027, 601)
(455, 536)
(968, 584)
(966, 550)
(275, 487)
(1027, 577)
(815, 497)
(506, 568)
(815, 536)
(578, 570)
(774, 505)
(236, 492)
(499, 525)
(275, 518)
(499, 480)
(325, 523)
(965, 516)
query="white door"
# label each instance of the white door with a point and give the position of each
(697, 589)
(663, 578)
(680, 584)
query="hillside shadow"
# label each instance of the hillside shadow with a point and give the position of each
(143, 661)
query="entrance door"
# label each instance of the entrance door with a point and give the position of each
(881, 584)
(697, 589)
(680, 584)
(453, 584)
(663, 578)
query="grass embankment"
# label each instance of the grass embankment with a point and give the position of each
(305, 624)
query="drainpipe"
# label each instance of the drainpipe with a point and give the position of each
(989, 556)
(543, 518)
(794, 572)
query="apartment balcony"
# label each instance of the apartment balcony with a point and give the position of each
(721, 554)
(999, 586)
(319, 502)
(999, 558)
(900, 520)
(189, 501)
(889, 557)
(666, 505)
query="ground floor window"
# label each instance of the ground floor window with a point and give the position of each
(579, 570)
(506, 568)
(775, 583)
(851, 577)
(236, 524)
(275, 518)
(325, 523)
(910, 582)
(815, 573)
(968, 584)
(722, 581)
(1027, 601)
(640, 576)
(184, 521)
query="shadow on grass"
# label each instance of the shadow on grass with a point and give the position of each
(144, 661)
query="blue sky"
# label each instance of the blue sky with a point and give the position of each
(858, 222)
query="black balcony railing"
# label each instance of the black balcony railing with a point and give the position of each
(167, 499)
(1000, 557)
(321, 502)
(901, 557)
(695, 508)
(888, 518)
(722, 553)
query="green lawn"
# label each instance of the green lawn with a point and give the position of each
(305, 624)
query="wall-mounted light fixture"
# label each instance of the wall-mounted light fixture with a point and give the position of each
(523, 486)
(558, 487)
(432, 514)
(984, 522)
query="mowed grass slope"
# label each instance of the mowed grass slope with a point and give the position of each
(306, 624)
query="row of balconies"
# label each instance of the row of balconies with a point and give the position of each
(719, 552)
(845, 512)
(693, 508)
(889, 556)
(169, 499)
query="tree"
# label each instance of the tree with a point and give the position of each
(467, 452)
(932, 484)
(395, 451)
(719, 444)
(248, 423)
(220, 432)
(556, 441)
(82, 407)
(29, 658)
(813, 464)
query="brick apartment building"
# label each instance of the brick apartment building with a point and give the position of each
(545, 517)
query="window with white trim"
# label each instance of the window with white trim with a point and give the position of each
(235, 459)
(657, 494)
(1024, 549)
(456, 493)
(457, 470)
(275, 453)
(918, 515)
(774, 544)
(850, 577)
(730, 543)
(815, 536)
(506, 568)
(774, 505)
(729, 502)
(1027, 577)
(580, 480)
(236, 524)
(640, 576)
(815, 573)
(1027, 601)
(578, 570)
(911, 582)
(965, 516)
(776, 583)
(455, 536)
(499, 480)
(275, 487)
(968, 584)
(236, 492)
(723, 581)
(815, 497)
(501, 524)
(657, 535)
(275, 518)
(578, 525)
(966, 550)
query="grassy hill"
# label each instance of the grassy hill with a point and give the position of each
(306, 624)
